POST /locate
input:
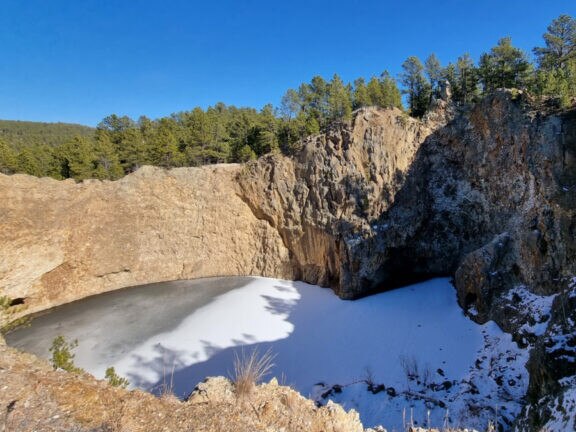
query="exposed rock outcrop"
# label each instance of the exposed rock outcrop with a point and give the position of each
(280, 216)
(36, 398)
(364, 208)
(325, 200)
(490, 198)
(62, 241)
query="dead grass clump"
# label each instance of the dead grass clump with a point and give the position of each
(250, 369)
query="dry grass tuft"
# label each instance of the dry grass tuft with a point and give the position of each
(250, 369)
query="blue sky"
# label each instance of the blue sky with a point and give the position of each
(79, 61)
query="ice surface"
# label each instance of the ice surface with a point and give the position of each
(393, 356)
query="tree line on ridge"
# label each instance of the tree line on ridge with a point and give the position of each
(222, 133)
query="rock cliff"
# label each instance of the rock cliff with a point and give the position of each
(489, 197)
(62, 241)
(325, 200)
(484, 193)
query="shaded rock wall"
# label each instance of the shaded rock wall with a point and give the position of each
(324, 201)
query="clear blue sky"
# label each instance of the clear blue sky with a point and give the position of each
(80, 60)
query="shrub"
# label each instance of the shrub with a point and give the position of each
(114, 379)
(250, 369)
(62, 355)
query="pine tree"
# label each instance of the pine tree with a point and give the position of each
(164, 151)
(106, 163)
(339, 100)
(433, 70)
(416, 86)
(28, 164)
(8, 159)
(360, 95)
(466, 76)
(560, 43)
(556, 76)
(375, 92)
(76, 159)
(314, 97)
(449, 73)
(391, 96)
(63, 355)
(290, 105)
(505, 66)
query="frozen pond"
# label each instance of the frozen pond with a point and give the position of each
(390, 356)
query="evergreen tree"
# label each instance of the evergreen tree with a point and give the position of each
(267, 131)
(106, 163)
(339, 100)
(76, 159)
(416, 86)
(206, 138)
(28, 164)
(164, 151)
(114, 379)
(466, 79)
(391, 96)
(375, 92)
(245, 153)
(314, 97)
(505, 66)
(63, 355)
(449, 74)
(290, 105)
(433, 70)
(556, 76)
(289, 129)
(241, 131)
(129, 144)
(560, 43)
(360, 95)
(132, 150)
(8, 159)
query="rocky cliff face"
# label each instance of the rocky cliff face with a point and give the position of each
(325, 201)
(489, 197)
(280, 216)
(486, 194)
(62, 241)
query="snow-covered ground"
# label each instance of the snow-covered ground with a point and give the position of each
(405, 355)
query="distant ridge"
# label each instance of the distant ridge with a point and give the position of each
(19, 134)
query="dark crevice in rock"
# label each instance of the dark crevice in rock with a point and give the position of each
(17, 301)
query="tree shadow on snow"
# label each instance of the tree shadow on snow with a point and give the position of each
(309, 330)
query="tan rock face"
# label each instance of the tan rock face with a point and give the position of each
(62, 241)
(280, 216)
(324, 201)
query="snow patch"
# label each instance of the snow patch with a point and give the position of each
(563, 408)
(535, 307)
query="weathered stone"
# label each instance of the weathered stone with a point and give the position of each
(62, 241)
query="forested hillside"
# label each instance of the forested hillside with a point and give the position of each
(20, 134)
(222, 133)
